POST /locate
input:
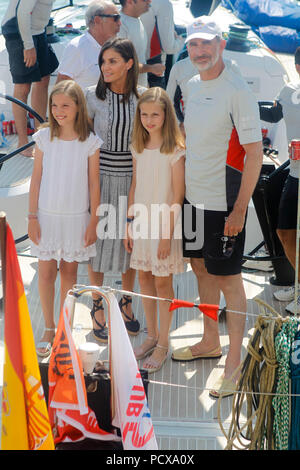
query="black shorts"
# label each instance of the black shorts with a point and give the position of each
(203, 237)
(45, 64)
(287, 212)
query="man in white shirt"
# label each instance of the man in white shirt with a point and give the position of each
(287, 107)
(132, 28)
(159, 25)
(222, 126)
(31, 58)
(80, 59)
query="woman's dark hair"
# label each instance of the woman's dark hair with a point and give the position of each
(125, 48)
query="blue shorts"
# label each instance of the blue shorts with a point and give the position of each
(45, 64)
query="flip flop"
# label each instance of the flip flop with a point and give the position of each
(185, 354)
(44, 345)
(47, 345)
(222, 388)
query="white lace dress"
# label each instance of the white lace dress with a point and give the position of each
(154, 190)
(63, 205)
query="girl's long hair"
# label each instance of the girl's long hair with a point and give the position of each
(172, 137)
(81, 123)
(125, 48)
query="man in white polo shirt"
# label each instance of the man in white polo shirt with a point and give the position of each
(132, 28)
(223, 162)
(80, 59)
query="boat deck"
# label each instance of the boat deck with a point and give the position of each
(183, 414)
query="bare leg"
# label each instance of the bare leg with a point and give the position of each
(39, 97)
(234, 293)
(147, 287)
(288, 240)
(47, 276)
(128, 280)
(21, 92)
(209, 294)
(96, 279)
(164, 289)
(68, 277)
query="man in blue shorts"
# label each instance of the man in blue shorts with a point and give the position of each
(223, 162)
(31, 59)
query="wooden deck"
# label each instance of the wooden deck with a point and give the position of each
(184, 415)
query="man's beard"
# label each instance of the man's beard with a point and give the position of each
(209, 64)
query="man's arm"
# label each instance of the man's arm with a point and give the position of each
(170, 42)
(61, 77)
(24, 12)
(156, 69)
(236, 219)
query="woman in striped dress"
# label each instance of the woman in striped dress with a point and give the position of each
(111, 106)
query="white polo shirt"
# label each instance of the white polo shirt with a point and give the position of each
(221, 115)
(80, 60)
(133, 29)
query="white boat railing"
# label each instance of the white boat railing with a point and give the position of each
(17, 151)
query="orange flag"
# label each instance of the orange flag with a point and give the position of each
(70, 416)
(210, 311)
(25, 421)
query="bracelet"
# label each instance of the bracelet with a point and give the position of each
(32, 216)
(129, 219)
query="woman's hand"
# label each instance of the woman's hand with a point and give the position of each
(128, 240)
(164, 248)
(90, 235)
(34, 231)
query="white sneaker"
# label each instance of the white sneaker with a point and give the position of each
(293, 308)
(285, 295)
(259, 265)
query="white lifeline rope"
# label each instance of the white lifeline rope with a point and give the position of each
(79, 289)
(120, 291)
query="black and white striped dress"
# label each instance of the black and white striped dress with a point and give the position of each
(113, 121)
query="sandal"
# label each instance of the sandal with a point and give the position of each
(145, 349)
(132, 324)
(46, 345)
(101, 333)
(223, 388)
(154, 364)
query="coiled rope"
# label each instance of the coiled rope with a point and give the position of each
(281, 404)
(259, 376)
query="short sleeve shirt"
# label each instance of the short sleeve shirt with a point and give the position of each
(80, 60)
(289, 98)
(221, 116)
(133, 29)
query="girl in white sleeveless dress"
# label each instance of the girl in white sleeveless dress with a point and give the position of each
(63, 198)
(154, 222)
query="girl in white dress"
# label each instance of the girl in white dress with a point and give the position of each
(63, 198)
(153, 238)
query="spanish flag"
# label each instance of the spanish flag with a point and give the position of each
(25, 421)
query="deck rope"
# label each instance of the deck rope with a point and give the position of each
(259, 375)
(281, 404)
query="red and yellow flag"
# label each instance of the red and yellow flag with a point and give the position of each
(25, 421)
